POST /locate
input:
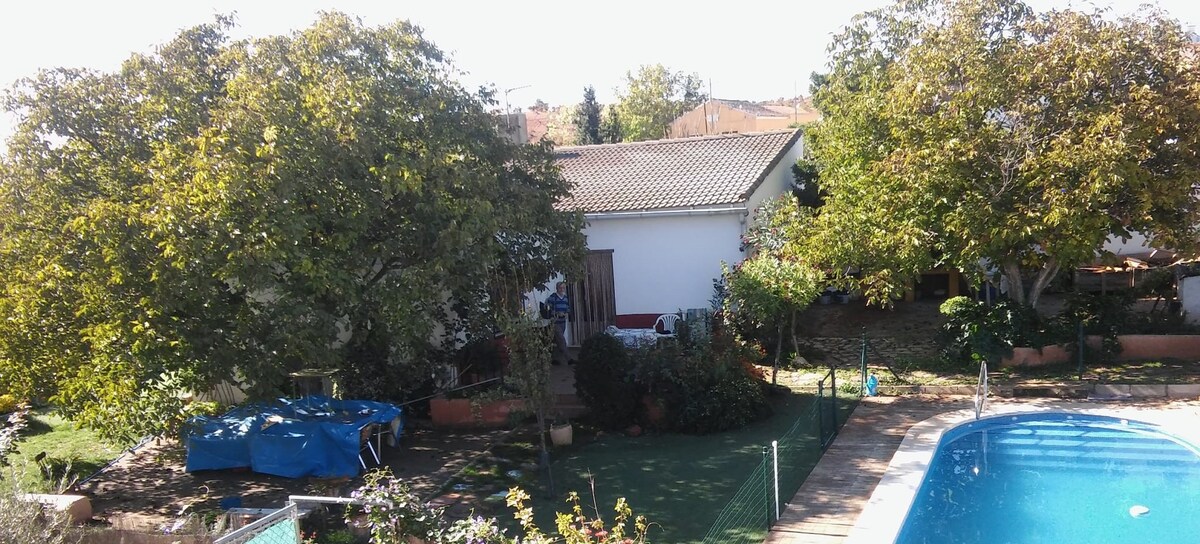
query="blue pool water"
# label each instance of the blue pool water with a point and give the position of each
(1056, 478)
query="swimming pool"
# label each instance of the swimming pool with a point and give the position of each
(1054, 478)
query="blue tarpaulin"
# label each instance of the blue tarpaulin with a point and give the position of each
(311, 436)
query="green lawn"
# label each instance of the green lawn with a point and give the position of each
(937, 371)
(70, 453)
(679, 482)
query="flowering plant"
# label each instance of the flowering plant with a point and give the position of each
(393, 512)
(576, 528)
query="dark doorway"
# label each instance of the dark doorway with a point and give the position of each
(593, 301)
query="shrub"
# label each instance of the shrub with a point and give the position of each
(11, 431)
(713, 392)
(604, 381)
(704, 390)
(26, 521)
(975, 330)
(395, 514)
(1106, 315)
(8, 404)
(704, 383)
(392, 511)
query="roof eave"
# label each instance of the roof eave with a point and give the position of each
(762, 176)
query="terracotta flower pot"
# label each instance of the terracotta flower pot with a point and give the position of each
(654, 411)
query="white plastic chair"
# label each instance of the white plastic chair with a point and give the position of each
(668, 322)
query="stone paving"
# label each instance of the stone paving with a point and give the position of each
(827, 505)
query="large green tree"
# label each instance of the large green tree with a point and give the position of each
(652, 98)
(979, 133)
(610, 127)
(587, 119)
(332, 197)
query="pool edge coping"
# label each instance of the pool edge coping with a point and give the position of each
(887, 508)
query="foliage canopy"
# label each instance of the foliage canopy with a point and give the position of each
(768, 289)
(979, 133)
(588, 119)
(652, 98)
(318, 199)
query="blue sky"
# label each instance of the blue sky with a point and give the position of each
(754, 49)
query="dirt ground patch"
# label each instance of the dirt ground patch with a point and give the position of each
(149, 488)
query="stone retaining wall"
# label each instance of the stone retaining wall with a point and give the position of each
(1134, 347)
(849, 349)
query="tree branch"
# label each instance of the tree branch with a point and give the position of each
(383, 271)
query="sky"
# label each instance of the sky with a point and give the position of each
(548, 50)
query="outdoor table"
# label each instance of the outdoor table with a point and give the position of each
(635, 338)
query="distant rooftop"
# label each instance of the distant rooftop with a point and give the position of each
(752, 108)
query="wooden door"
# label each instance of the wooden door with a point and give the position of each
(593, 303)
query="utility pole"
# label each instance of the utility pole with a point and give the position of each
(710, 97)
(795, 102)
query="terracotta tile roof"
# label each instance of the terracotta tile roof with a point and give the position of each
(683, 172)
(536, 123)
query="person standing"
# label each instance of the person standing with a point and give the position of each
(560, 307)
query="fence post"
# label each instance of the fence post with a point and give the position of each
(862, 386)
(821, 413)
(775, 458)
(767, 487)
(1081, 348)
(296, 519)
(833, 399)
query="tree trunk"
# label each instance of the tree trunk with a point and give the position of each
(1016, 286)
(795, 339)
(778, 353)
(1044, 277)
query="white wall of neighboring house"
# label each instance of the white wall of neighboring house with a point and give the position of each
(666, 263)
(1135, 244)
(1189, 297)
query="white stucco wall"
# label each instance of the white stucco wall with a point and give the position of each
(665, 264)
(1189, 297)
(1135, 244)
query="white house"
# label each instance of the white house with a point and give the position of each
(662, 216)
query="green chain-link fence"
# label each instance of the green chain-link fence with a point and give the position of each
(787, 461)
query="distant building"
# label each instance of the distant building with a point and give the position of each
(722, 116)
(514, 126)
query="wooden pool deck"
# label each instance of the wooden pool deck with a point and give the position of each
(827, 505)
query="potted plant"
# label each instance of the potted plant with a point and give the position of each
(493, 407)
(561, 433)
